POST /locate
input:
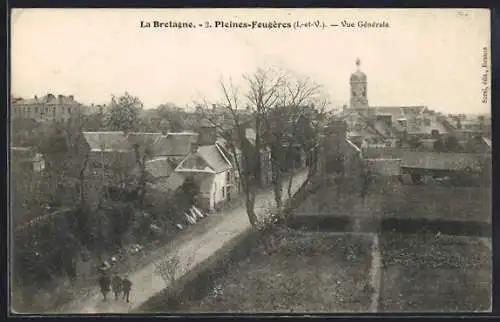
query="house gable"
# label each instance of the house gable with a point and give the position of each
(194, 163)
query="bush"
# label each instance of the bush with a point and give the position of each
(44, 249)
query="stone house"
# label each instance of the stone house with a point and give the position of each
(212, 171)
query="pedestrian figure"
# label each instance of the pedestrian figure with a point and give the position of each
(116, 285)
(104, 283)
(126, 287)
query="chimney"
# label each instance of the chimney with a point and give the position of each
(207, 135)
(50, 96)
(36, 97)
(60, 97)
(214, 107)
(71, 97)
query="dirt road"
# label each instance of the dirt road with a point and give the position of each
(193, 251)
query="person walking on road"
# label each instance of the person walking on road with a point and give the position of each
(104, 283)
(126, 287)
(116, 285)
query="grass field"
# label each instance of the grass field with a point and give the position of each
(429, 273)
(396, 200)
(311, 272)
(305, 273)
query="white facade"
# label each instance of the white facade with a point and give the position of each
(221, 188)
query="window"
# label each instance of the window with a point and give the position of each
(427, 122)
(228, 176)
(223, 192)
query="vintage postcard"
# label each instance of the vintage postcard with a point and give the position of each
(186, 161)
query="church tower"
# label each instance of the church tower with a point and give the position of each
(358, 81)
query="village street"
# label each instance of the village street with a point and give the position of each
(193, 250)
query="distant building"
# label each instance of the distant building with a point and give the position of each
(382, 124)
(93, 109)
(45, 109)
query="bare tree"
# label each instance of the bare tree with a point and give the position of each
(142, 154)
(275, 99)
(279, 98)
(171, 268)
(232, 130)
(262, 96)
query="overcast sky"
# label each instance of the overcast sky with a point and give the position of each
(426, 57)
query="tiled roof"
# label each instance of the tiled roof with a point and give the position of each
(208, 158)
(107, 141)
(169, 184)
(214, 157)
(225, 146)
(143, 139)
(395, 111)
(159, 168)
(174, 144)
(435, 124)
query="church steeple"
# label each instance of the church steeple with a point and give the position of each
(359, 98)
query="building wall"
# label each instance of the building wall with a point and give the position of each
(443, 161)
(385, 167)
(222, 182)
(48, 108)
(381, 153)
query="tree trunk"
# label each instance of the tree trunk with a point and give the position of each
(258, 165)
(290, 181)
(250, 207)
(277, 177)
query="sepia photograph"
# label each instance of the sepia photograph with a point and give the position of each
(243, 161)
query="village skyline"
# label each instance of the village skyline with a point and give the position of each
(95, 54)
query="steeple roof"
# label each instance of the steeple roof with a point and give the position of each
(358, 75)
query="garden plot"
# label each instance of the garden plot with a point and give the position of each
(435, 273)
(303, 272)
